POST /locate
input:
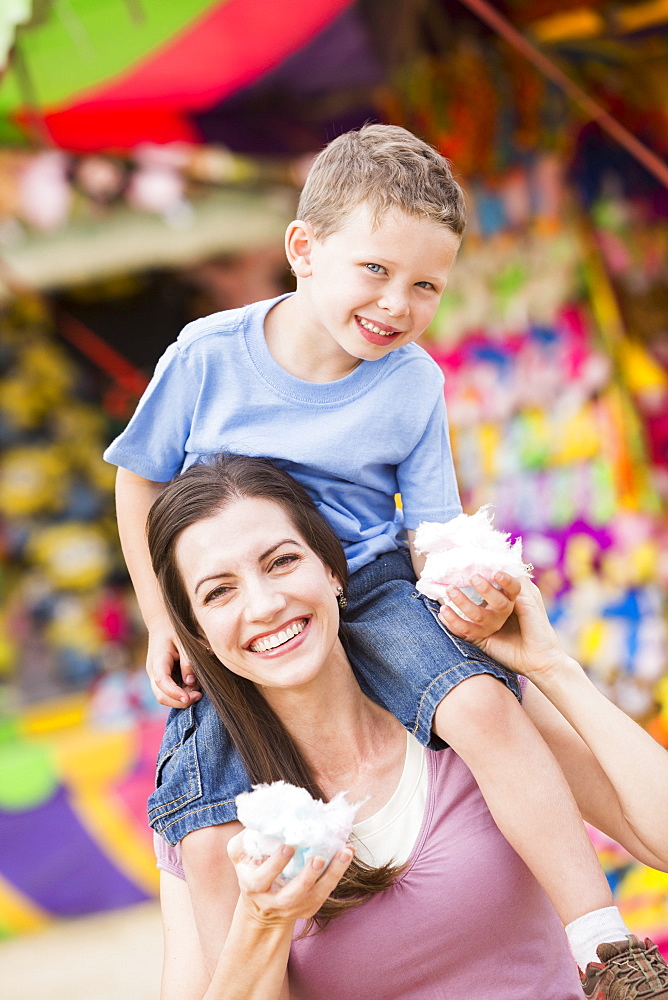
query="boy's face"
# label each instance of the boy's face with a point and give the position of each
(373, 290)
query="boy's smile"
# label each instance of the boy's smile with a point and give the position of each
(361, 292)
(377, 333)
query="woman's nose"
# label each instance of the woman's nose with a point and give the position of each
(263, 602)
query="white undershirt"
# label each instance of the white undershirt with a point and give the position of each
(389, 835)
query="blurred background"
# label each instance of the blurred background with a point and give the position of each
(151, 154)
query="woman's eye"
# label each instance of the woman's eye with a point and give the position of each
(375, 268)
(216, 594)
(284, 561)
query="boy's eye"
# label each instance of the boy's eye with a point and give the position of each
(425, 284)
(375, 268)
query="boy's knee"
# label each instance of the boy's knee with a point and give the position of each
(478, 708)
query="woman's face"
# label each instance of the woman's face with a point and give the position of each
(265, 603)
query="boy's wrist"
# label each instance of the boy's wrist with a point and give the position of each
(158, 624)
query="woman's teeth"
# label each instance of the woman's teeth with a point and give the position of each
(272, 641)
(374, 329)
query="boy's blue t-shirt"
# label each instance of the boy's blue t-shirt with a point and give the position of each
(353, 443)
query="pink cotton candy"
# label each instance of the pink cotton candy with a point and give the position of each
(465, 546)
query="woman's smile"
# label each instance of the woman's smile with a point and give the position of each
(276, 642)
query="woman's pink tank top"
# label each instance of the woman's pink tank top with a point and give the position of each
(467, 918)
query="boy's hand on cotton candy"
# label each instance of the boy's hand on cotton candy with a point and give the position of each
(265, 895)
(527, 643)
(476, 622)
(472, 570)
(164, 661)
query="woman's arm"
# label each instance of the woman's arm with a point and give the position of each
(230, 938)
(185, 974)
(618, 773)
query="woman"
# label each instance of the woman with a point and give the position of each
(435, 903)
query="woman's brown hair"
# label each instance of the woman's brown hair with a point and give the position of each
(266, 748)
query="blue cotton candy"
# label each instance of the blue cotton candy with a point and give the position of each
(281, 813)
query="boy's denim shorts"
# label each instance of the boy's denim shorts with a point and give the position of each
(404, 658)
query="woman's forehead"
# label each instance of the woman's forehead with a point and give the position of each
(242, 530)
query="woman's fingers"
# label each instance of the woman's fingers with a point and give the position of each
(330, 878)
(261, 885)
(257, 875)
(308, 891)
(235, 847)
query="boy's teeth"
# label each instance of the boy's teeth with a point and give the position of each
(272, 641)
(375, 329)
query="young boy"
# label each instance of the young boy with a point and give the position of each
(329, 383)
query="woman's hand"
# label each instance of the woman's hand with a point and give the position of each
(268, 900)
(526, 643)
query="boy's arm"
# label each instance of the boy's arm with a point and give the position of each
(417, 558)
(134, 498)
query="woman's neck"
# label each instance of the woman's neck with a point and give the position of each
(350, 743)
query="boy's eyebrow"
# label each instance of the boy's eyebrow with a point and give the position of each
(265, 555)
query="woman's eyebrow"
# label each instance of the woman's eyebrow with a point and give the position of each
(284, 541)
(222, 575)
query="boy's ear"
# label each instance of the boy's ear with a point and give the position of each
(298, 245)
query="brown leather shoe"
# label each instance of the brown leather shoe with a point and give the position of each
(628, 970)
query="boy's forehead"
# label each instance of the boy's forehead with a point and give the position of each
(380, 226)
(395, 234)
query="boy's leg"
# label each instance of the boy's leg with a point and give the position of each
(525, 791)
(407, 660)
(532, 804)
(199, 774)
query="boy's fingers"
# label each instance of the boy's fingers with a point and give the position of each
(468, 607)
(489, 589)
(510, 585)
(168, 692)
(457, 625)
(185, 667)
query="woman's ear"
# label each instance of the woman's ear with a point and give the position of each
(298, 246)
(203, 641)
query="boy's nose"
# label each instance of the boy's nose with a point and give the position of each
(394, 302)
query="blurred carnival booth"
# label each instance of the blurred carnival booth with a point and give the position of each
(148, 180)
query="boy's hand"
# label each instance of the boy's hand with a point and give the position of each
(164, 659)
(484, 619)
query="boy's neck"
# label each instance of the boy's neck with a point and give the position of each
(296, 344)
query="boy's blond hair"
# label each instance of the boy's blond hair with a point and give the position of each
(384, 167)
